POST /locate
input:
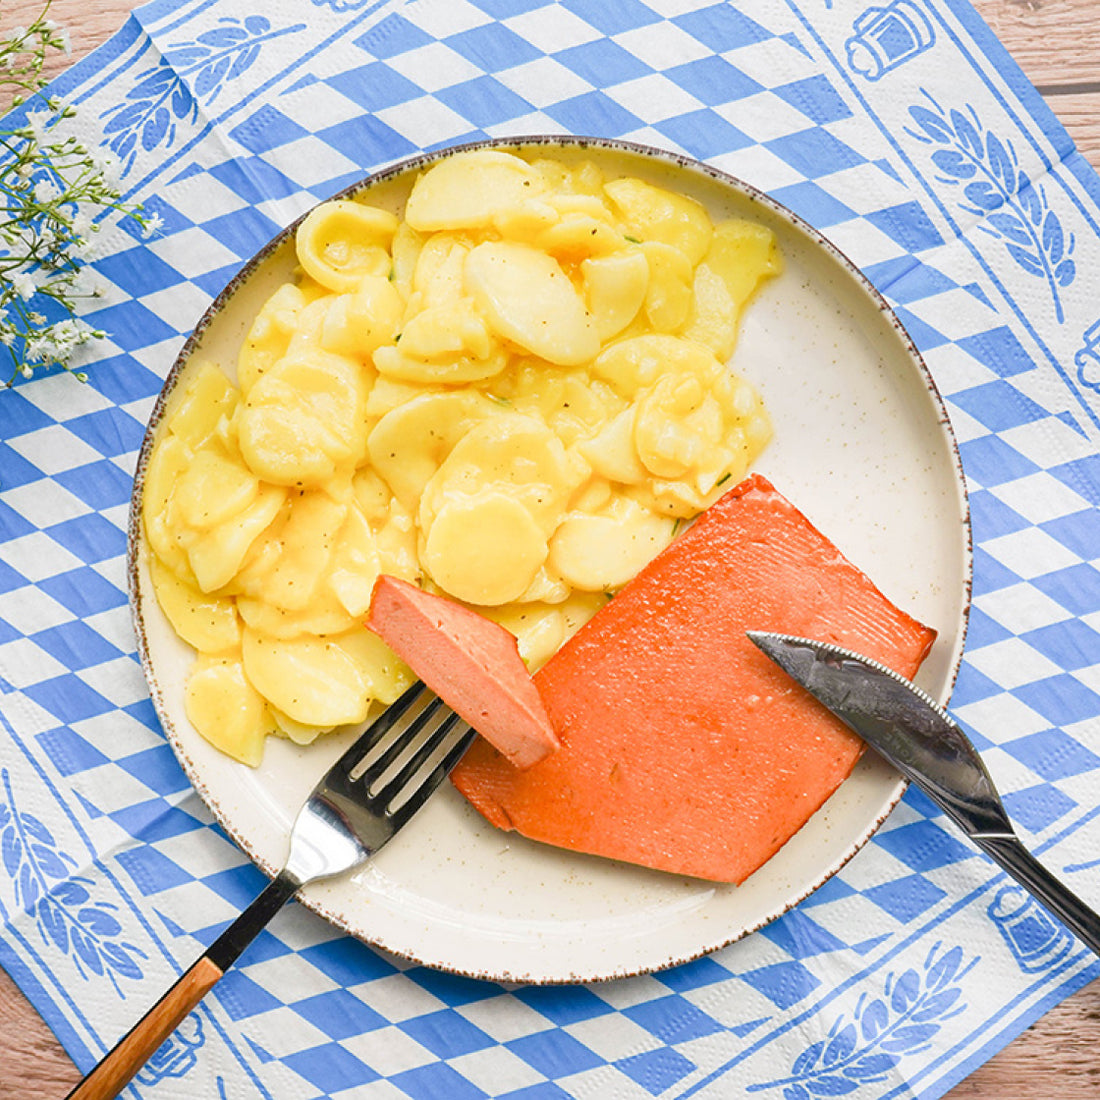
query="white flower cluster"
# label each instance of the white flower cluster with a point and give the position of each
(54, 194)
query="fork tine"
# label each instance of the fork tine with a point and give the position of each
(376, 732)
(444, 720)
(406, 733)
(420, 794)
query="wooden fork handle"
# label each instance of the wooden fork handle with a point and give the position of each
(112, 1074)
(135, 1048)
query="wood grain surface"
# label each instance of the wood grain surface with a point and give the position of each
(1057, 43)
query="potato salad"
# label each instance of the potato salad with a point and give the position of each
(512, 392)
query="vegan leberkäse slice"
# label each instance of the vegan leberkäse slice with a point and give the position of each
(683, 748)
(471, 663)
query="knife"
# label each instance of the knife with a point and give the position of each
(915, 734)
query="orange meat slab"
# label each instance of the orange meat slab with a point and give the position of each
(683, 747)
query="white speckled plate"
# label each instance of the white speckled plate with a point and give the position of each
(862, 446)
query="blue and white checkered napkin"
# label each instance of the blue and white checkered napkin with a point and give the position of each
(906, 134)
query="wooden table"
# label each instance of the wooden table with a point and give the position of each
(1057, 42)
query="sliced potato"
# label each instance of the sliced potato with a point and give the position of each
(206, 400)
(353, 568)
(208, 622)
(668, 295)
(341, 241)
(312, 680)
(600, 553)
(356, 324)
(303, 419)
(408, 445)
(215, 555)
(214, 486)
(269, 337)
(484, 549)
(226, 709)
(655, 214)
(514, 454)
(465, 192)
(713, 319)
(744, 254)
(615, 287)
(306, 542)
(529, 300)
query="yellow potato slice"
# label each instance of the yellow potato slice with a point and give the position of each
(405, 249)
(214, 486)
(208, 622)
(437, 278)
(306, 541)
(539, 630)
(615, 288)
(216, 555)
(395, 366)
(356, 324)
(408, 445)
(484, 549)
(226, 709)
(341, 241)
(528, 299)
(654, 214)
(312, 680)
(397, 544)
(577, 236)
(269, 337)
(298, 732)
(515, 454)
(630, 364)
(324, 615)
(744, 254)
(354, 565)
(670, 290)
(207, 399)
(163, 527)
(612, 453)
(526, 220)
(303, 419)
(713, 319)
(464, 192)
(387, 674)
(446, 331)
(599, 553)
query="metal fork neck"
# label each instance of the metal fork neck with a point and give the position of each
(226, 949)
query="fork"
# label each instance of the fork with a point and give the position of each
(359, 804)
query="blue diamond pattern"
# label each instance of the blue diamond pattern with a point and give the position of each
(1052, 754)
(924, 846)
(656, 1070)
(673, 1020)
(446, 1034)
(793, 115)
(329, 1067)
(784, 984)
(906, 899)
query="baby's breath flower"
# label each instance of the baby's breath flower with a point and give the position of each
(22, 282)
(151, 224)
(46, 191)
(54, 193)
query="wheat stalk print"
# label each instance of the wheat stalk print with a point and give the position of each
(995, 188)
(162, 95)
(882, 1030)
(61, 903)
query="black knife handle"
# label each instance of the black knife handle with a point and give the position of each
(1010, 853)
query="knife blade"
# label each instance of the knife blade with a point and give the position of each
(914, 733)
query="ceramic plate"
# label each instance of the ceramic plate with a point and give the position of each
(862, 446)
